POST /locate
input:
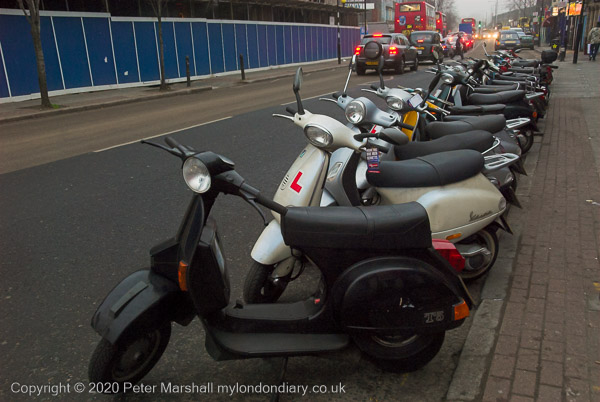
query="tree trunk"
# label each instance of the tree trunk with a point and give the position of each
(163, 84)
(41, 65)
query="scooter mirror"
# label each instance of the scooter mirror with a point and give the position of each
(297, 86)
(298, 80)
(393, 136)
(518, 50)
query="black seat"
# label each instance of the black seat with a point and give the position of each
(492, 123)
(478, 140)
(522, 70)
(428, 171)
(516, 78)
(491, 89)
(501, 97)
(378, 227)
(526, 63)
(476, 109)
(503, 82)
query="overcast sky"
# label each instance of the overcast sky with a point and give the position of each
(478, 8)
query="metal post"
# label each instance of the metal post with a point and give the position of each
(339, 46)
(365, 4)
(187, 70)
(579, 33)
(242, 67)
(540, 22)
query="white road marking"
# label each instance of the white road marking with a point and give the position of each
(159, 135)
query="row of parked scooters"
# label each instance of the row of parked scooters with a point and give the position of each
(395, 208)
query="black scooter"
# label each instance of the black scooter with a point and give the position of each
(385, 286)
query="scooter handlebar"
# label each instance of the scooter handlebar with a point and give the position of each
(375, 87)
(291, 110)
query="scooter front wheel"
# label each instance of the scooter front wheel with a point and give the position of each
(479, 264)
(130, 358)
(259, 286)
(400, 353)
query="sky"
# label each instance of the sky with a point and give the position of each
(478, 8)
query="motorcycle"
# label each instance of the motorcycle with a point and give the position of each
(464, 206)
(385, 286)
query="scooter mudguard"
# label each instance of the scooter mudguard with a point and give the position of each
(142, 299)
(270, 248)
(398, 294)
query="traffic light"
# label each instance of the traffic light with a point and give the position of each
(479, 24)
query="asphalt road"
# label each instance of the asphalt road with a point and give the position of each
(74, 222)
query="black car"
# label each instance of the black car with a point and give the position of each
(425, 42)
(397, 52)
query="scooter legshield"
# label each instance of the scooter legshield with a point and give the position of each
(270, 248)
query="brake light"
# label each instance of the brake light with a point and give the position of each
(449, 253)
(393, 50)
(357, 50)
(420, 40)
(377, 35)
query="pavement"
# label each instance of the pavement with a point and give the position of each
(535, 335)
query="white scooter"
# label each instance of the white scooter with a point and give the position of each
(463, 205)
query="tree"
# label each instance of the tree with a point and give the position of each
(32, 13)
(521, 5)
(157, 7)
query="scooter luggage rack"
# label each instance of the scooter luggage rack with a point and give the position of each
(519, 122)
(494, 145)
(498, 161)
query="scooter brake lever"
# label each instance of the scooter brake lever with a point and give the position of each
(250, 199)
(283, 116)
(328, 100)
(172, 151)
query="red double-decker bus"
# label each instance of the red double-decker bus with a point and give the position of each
(414, 16)
(440, 23)
(469, 21)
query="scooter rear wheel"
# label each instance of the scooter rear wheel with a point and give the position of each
(400, 353)
(474, 268)
(258, 286)
(130, 358)
(528, 143)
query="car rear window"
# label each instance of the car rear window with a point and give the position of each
(509, 36)
(384, 40)
(425, 38)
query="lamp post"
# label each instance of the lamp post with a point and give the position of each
(541, 17)
(579, 33)
(339, 46)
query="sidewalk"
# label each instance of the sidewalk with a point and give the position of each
(15, 111)
(540, 339)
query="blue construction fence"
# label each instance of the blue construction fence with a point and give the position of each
(92, 51)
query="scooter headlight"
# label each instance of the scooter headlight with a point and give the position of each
(196, 175)
(318, 136)
(447, 78)
(355, 112)
(395, 103)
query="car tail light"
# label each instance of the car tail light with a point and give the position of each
(449, 253)
(377, 35)
(357, 50)
(420, 40)
(393, 50)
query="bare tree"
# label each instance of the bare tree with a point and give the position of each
(158, 7)
(521, 5)
(32, 13)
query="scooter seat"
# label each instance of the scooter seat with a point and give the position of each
(492, 123)
(428, 171)
(522, 70)
(389, 227)
(501, 97)
(492, 89)
(512, 78)
(476, 109)
(478, 140)
(526, 63)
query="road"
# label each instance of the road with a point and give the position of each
(82, 202)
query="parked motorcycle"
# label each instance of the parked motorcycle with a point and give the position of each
(386, 288)
(464, 206)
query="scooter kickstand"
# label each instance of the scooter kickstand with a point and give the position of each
(275, 395)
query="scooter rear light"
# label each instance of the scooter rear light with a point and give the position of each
(182, 276)
(449, 253)
(461, 310)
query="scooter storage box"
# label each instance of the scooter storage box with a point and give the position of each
(549, 56)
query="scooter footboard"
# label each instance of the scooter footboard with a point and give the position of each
(142, 300)
(396, 294)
